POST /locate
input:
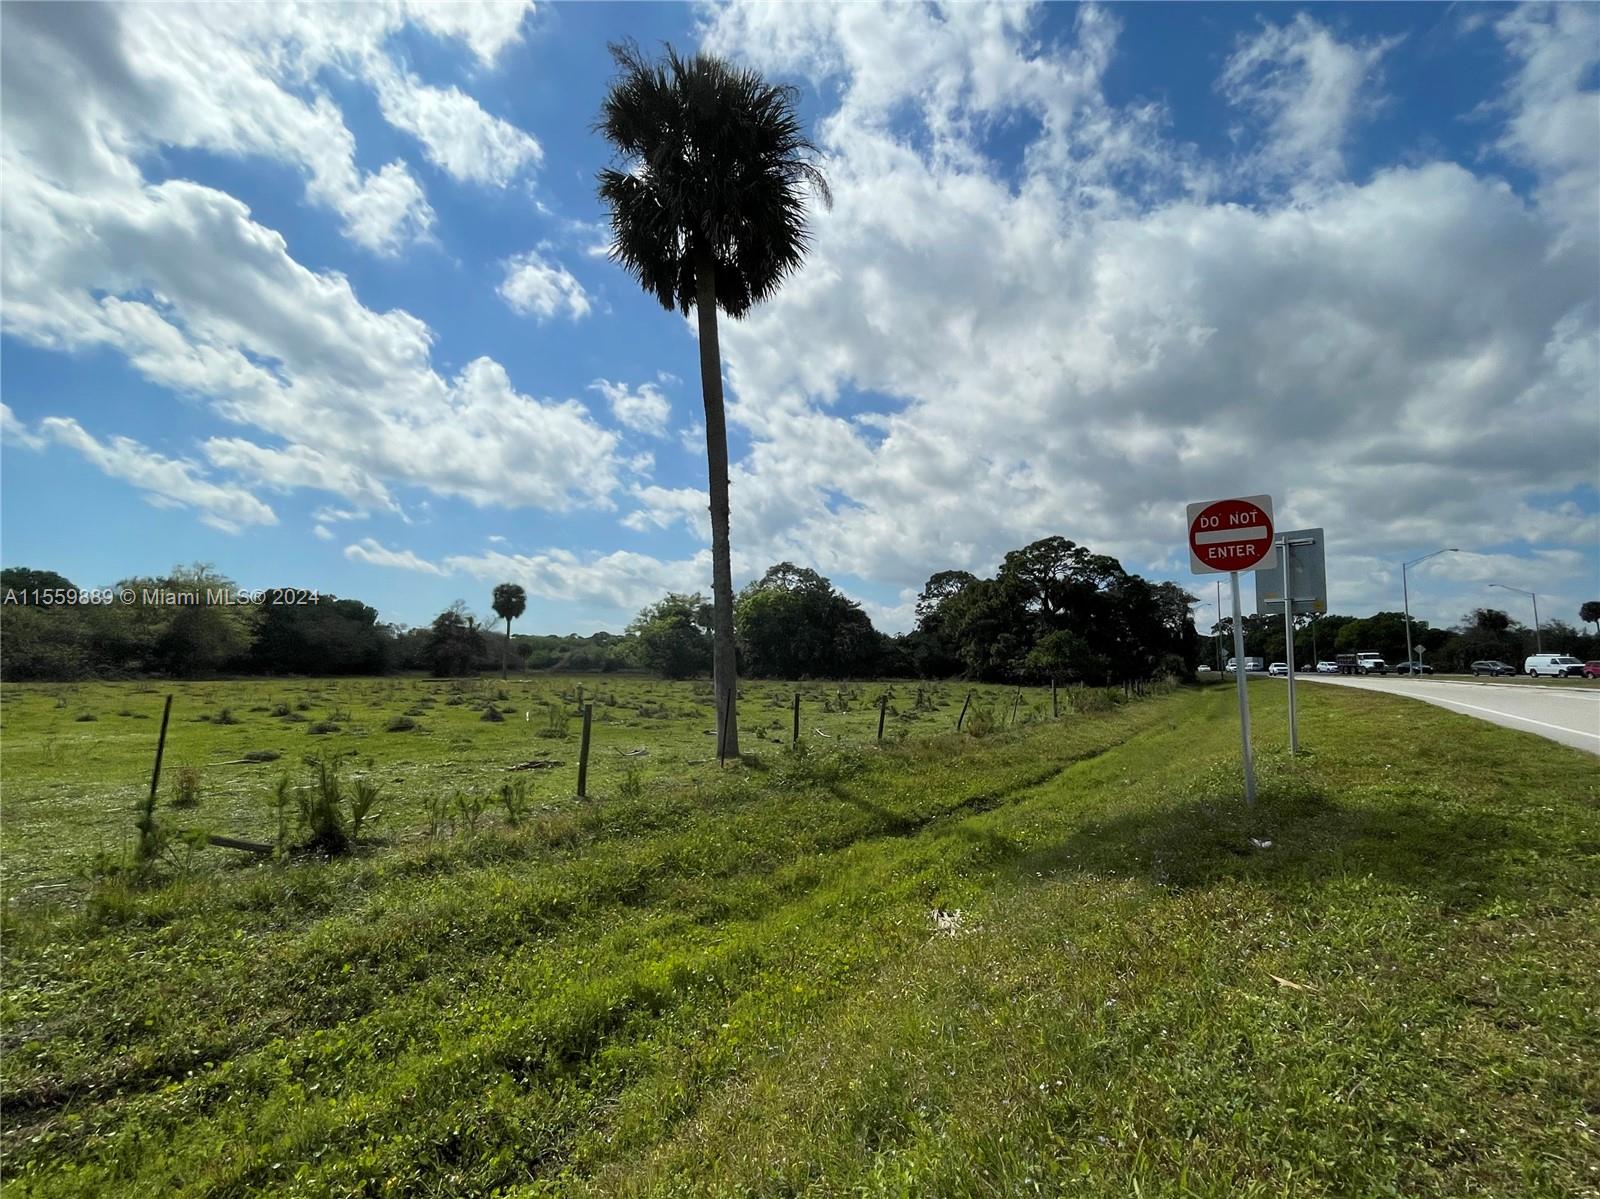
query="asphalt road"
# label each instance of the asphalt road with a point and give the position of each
(1570, 715)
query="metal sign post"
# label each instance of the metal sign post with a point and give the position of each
(1225, 537)
(1288, 646)
(1299, 585)
(1244, 695)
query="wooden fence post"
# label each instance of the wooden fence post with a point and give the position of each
(963, 716)
(583, 756)
(1055, 707)
(1014, 705)
(883, 707)
(794, 738)
(161, 745)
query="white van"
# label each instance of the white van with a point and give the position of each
(1555, 665)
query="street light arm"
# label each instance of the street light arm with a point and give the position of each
(1449, 549)
(1405, 588)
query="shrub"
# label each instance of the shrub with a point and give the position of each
(226, 716)
(514, 798)
(631, 786)
(469, 809)
(152, 837)
(321, 727)
(363, 802)
(492, 715)
(400, 724)
(85, 717)
(186, 787)
(438, 812)
(981, 721)
(321, 807)
(262, 755)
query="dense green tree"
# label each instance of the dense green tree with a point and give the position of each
(193, 634)
(1382, 633)
(510, 601)
(453, 646)
(1590, 614)
(19, 584)
(707, 211)
(1488, 620)
(673, 636)
(328, 636)
(793, 624)
(38, 643)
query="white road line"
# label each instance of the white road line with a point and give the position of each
(1563, 728)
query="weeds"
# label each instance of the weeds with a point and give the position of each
(322, 808)
(632, 785)
(469, 809)
(556, 723)
(514, 799)
(439, 808)
(186, 787)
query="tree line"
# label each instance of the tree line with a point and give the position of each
(1053, 610)
(186, 635)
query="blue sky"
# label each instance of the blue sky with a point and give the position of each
(320, 296)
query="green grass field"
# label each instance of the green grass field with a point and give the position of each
(77, 757)
(1041, 961)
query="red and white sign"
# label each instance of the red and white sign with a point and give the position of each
(1226, 535)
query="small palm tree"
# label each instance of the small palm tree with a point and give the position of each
(510, 602)
(707, 211)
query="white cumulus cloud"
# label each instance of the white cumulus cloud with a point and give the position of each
(539, 288)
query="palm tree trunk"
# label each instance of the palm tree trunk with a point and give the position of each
(724, 663)
(505, 649)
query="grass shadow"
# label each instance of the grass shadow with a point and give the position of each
(1460, 856)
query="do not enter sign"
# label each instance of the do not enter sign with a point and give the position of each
(1228, 535)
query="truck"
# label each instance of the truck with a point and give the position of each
(1362, 663)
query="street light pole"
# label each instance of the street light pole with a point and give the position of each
(1538, 639)
(1406, 591)
(1218, 636)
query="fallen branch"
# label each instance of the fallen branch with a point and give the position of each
(235, 843)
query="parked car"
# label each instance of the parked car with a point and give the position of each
(1413, 668)
(1591, 670)
(1327, 668)
(1557, 666)
(1279, 668)
(1255, 663)
(1492, 667)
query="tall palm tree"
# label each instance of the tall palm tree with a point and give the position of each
(708, 210)
(510, 602)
